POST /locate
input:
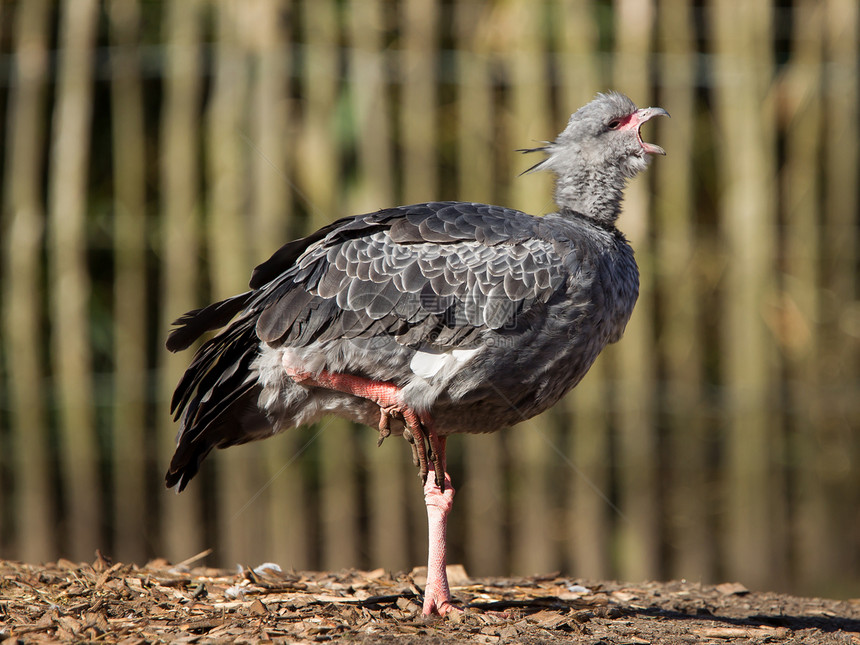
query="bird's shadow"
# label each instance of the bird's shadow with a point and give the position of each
(791, 622)
(794, 623)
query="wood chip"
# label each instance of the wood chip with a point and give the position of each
(70, 624)
(732, 589)
(509, 633)
(743, 632)
(457, 576)
(549, 619)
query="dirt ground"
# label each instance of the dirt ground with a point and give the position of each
(118, 603)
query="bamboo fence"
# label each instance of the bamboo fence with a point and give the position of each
(153, 153)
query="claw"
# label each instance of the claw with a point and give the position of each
(421, 449)
(437, 445)
(384, 427)
(414, 433)
(407, 434)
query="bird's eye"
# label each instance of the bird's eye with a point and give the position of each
(614, 124)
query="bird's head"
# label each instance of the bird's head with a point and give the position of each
(596, 153)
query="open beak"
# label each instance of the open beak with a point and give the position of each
(640, 117)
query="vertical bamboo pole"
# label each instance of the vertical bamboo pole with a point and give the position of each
(475, 108)
(226, 227)
(265, 34)
(639, 538)
(129, 432)
(839, 361)
(678, 281)
(69, 279)
(745, 118)
(587, 542)
(287, 537)
(374, 185)
(227, 232)
(482, 497)
(418, 132)
(320, 184)
(530, 120)
(181, 525)
(800, 303)
(22, 226)
(390, 477)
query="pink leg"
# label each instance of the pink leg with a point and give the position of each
(437, 594)
(382, 393)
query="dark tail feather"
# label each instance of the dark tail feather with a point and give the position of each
(223, 355)
(216, 399)
(192, 325)
(241, 422)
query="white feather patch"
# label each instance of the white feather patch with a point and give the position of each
(427, 364)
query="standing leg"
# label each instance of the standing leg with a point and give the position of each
(439, 500)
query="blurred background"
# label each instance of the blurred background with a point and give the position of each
(154, 151)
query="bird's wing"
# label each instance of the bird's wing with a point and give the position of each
(436, 274)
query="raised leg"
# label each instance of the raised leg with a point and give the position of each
(419, 431)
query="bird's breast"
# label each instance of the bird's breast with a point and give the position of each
(521, 372)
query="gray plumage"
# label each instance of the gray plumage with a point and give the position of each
(483, 316)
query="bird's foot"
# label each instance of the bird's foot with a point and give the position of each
(427, 446)
(418, 432)
(435, 604)
(415, 434)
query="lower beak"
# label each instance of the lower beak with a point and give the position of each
(643, 115)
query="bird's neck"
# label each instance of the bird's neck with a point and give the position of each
(591, 193)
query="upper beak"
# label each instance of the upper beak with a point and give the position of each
(643, 115)
(648, 113)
